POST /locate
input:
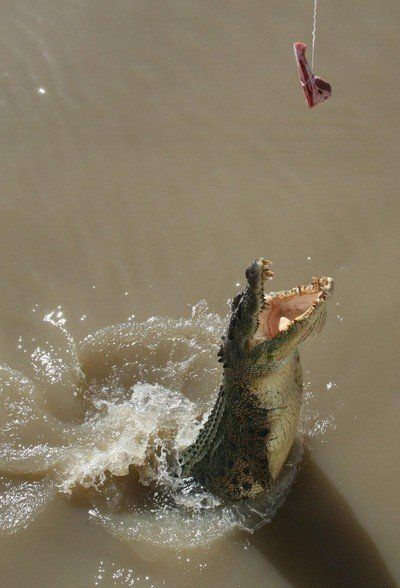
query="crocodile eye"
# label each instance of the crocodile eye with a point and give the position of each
(263, 432)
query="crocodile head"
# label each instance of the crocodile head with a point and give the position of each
(274, 324)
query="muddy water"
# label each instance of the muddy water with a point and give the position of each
(149, 151)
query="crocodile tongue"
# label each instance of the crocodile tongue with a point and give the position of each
(284, 323)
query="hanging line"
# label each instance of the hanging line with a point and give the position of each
(314, 33)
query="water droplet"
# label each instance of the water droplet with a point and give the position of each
(41, 91)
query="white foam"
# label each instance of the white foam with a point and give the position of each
(129, 433)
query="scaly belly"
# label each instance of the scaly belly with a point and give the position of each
(281, 395)
(281, 437)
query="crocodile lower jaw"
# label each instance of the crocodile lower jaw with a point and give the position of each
(283, 309)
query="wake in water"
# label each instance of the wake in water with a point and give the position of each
(103, 421)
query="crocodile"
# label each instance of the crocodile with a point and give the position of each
(246, 439)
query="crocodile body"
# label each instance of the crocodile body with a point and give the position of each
(247, 437)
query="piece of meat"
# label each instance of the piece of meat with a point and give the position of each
(316, 90)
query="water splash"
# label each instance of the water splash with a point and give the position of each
(103, 420)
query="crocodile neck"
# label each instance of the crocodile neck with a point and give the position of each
(249, 432)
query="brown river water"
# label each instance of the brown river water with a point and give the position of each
(149, 151)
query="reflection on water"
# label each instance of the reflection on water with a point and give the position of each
(317, 541)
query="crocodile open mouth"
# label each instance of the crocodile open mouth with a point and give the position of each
(283, 309)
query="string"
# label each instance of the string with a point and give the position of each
(314, 32)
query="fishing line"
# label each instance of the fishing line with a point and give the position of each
(314, 32)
